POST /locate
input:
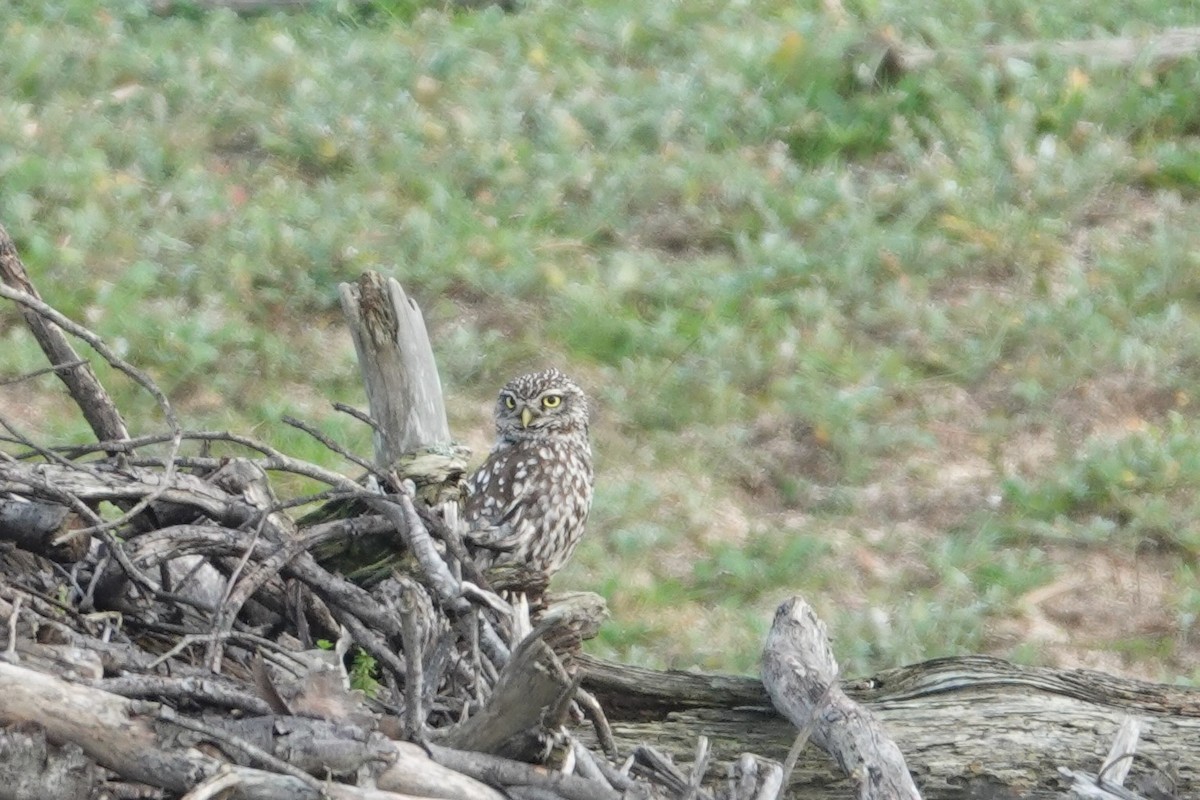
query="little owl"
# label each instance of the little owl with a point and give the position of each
(528, 503)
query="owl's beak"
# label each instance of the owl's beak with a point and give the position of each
(526, 416)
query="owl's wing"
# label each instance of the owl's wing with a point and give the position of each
(500, 532)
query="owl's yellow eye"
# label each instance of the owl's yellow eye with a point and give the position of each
(509, 403)
(551, 401)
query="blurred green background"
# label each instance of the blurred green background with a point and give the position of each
(925, 349)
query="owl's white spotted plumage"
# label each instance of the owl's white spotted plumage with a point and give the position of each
(528, 503)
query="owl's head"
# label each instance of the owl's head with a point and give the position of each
(540, 403)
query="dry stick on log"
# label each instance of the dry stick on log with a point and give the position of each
(1109, 783)
(1115, 769)
(801, 675)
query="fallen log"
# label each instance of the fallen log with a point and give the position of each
(966, 725)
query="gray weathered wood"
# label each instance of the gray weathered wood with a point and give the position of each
(403, 389)
(42, 528)
(32, 768)
(801, 675)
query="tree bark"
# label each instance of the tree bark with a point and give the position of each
(32, 768)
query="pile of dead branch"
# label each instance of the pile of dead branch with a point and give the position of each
(170, 630)
(175, 627)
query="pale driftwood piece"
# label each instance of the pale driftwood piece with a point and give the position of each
(85, 388)
(1022, 723)
(753, 778)
(885, 57)
(526, 687)
(516, 774)
(401, 378)
(414, 772)
(1117, 764)
(801, 675)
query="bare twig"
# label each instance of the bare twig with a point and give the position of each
(361, 416)
(56, 369)
(329, 443)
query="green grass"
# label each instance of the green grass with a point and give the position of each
(913, 349)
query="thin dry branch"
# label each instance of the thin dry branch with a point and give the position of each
(97, 407)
